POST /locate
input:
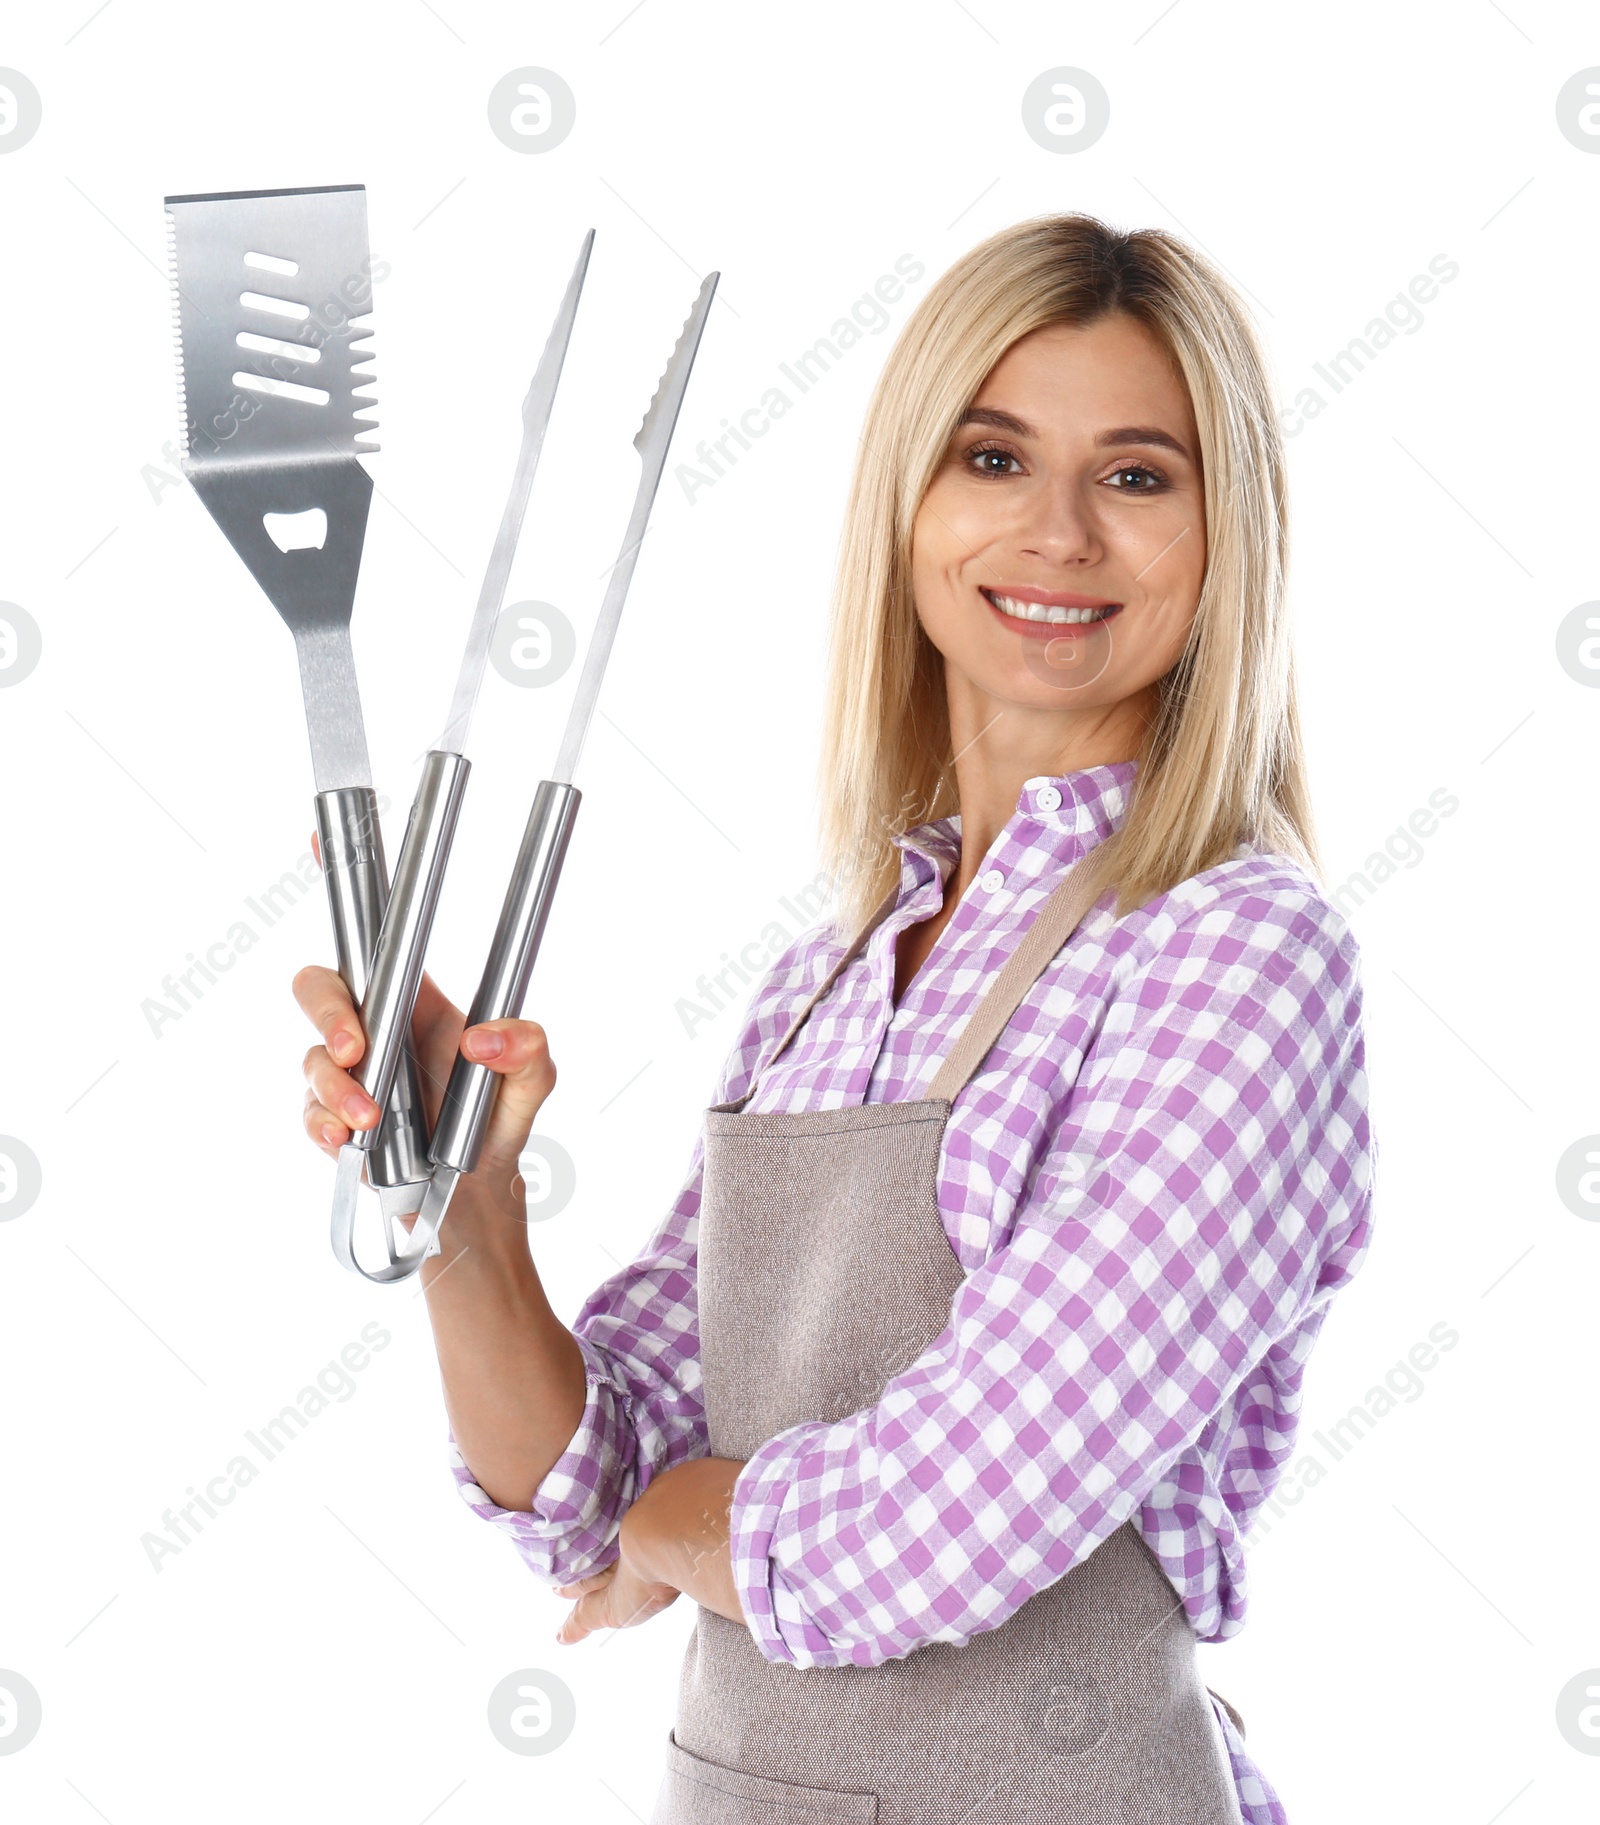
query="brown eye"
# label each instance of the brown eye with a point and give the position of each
(1153, 476)
(990, 459)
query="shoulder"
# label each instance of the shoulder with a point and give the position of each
(1254, 939)
(1256, 900)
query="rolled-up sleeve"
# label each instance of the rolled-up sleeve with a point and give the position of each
(1202, 1193)
(640, 1340)
(642, 1413)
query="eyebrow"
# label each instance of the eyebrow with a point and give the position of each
(1123, 434)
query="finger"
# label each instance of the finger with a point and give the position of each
(579, 1585)
(325, 999)
(338, 1091)
(324, 1127)
(573, 1626)
(588, 1613)
(518, 1053)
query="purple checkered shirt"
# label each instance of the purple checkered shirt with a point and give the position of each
(1156, 1183)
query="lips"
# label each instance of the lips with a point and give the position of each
(1048, 614)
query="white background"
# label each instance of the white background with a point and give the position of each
(327, 1646)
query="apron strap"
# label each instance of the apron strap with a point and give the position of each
(1052, 926)
(881, 912)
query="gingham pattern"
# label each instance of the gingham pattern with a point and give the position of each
(1156, 1183)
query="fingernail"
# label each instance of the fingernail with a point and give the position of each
(357, 1110)
(486, 1044)
(343, 1043)
(330, 1134)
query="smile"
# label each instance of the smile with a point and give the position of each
(1048, 614)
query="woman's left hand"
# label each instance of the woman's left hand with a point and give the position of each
(617, 1598)
(680, 1520)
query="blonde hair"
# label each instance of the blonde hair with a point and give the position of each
(1222, 759)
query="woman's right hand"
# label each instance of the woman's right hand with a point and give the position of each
(515, 1050)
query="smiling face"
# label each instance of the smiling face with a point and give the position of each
(1058, 554)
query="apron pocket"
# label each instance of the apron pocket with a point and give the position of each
(698, 1792)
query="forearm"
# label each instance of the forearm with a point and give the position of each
(513, 1376)
(677, 1532)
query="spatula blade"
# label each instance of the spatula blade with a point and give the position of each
(269, 290)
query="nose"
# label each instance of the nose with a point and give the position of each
(1059, 528)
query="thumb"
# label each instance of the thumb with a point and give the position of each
(519, 1055)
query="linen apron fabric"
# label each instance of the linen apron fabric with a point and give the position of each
(823, 1271)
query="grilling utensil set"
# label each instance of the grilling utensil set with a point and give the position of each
(268, 290)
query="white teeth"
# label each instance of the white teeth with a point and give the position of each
(1037, 611)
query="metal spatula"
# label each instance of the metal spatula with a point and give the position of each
(268, 286)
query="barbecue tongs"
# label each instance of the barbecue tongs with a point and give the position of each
(397, 961)
(273, 396)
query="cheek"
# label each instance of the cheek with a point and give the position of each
(964, 515)
(939, 541)
(1168, 558)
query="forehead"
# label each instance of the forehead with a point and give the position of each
(1065, 376)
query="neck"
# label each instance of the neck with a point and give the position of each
(999, 746)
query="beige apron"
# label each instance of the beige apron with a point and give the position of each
(824, 1270)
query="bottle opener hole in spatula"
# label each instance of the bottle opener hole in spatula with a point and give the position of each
(269, 289)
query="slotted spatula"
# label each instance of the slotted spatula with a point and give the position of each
(269, 289)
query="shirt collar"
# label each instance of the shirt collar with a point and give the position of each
(1065, 808)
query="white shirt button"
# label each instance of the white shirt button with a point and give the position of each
(1048, 799)
(993, 881)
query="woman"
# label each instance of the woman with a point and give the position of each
(977, 1333)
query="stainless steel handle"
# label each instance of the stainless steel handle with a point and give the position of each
(353, 869)
(469, 1096)
(402, 944)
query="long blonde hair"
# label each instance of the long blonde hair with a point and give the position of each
(1222, 759)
